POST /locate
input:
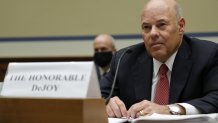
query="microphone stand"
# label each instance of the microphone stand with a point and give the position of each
(115, 75)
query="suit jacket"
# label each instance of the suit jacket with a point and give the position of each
(194, 77)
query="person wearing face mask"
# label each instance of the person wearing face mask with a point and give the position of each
(104, 48)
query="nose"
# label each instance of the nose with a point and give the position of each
(98, 50)
(154, 31)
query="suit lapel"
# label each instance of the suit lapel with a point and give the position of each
(180, 72)
(143, 72)
(143, 77)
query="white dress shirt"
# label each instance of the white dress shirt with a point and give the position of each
(169, 63)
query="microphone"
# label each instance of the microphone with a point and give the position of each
(115, 75)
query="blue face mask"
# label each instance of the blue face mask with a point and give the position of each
(103, 59)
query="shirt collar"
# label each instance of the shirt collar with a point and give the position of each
(169, 63)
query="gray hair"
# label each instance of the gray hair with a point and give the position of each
(112, 42)
(178, 11)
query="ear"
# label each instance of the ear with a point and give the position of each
(181, 25)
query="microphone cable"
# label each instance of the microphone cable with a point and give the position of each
(115, 75)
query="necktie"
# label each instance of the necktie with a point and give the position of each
(162, 88)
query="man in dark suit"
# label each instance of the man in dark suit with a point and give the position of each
(191, 69)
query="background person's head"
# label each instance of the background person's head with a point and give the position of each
(162, 28)
(104, 48)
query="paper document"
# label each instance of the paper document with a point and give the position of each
(159, 118)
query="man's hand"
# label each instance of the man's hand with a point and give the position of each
(116, 108)
(146, 107)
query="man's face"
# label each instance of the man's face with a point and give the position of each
(104, 51)
(161, 30)
(102, 44)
